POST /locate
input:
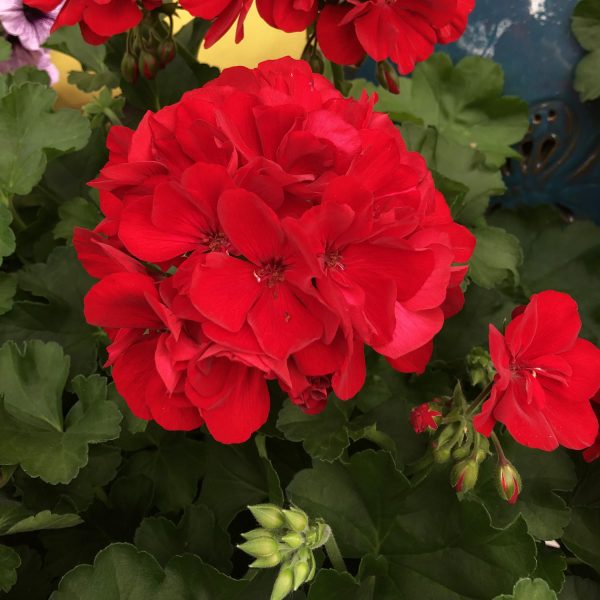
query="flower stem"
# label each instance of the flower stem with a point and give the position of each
(335, 556)
(112, 116)
(338, 78)
(499, 450)
(483, 395)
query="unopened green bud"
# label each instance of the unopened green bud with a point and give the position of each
(284, 584)
(301, 573)
(463, 476)
(129, 68)
(260, 547)
(257, 533)
(267, 562)
(268, 516)
(483, 450)
(296, 519)
(293, 539)
(461, 452)
(441, 455)
(318, 534)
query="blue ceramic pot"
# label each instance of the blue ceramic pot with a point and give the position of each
(532, 41)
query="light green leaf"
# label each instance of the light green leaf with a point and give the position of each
(197, 533)
(7, 237)
(586, 24)
(5, 49)
(32, 431)
(8, 289)
(422, 543)
(63, 283)
(496, 259)
(15, 518)
(10, 561)
(587, 76)
(76, 212)
(28, 127)
(529, 589)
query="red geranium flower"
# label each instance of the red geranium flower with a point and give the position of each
(98, 19)
(265, 227)
(405, 31)
(546, 376)
(288, 15)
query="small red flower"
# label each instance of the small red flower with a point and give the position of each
(545, 378)
(404, 31)
(98, 19)
(425, 417)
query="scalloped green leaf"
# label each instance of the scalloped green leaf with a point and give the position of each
(416, 543)
(10, 561)
(530, 589)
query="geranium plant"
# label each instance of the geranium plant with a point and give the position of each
(261, 335)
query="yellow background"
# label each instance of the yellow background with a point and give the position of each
(261, 42)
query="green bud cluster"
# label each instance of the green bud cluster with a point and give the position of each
(286, 537)
(150, 45)
(480, 366)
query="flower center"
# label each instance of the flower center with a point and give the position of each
(33, 15)
(217, 242)
(332, 259)
(271, 273)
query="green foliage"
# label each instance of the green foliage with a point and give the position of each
(28, 128)
(33, 431)
(529, 589)
(586, 28)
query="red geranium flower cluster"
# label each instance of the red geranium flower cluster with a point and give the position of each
(265, 228)
(97, 19)
(404, 31)
(546, 376)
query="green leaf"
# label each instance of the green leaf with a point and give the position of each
(7, 237)
(90, 81)
(558, 256)
(197, 533)
(236, 476)
(582, 536)
(8, 289)
(121, 571)
(577, 588)
(174, 466)
(15, 518)
(333, 585)
(587, 76)
(63, 283)
(529, 589)
(422, 542)
(323, 436)
(76, 212)
(28, 127)
(496, 259)
(9, 563)
(551, 566)
(586, 24)
(462, 165)
(464, 102)
(77, 496)
(542, 473)
(33, 432)
(5, 49)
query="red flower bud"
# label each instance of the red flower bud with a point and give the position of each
(509, 482)
(129, 68)
(148, 65)
(425, 417)
(388, 77)
(463, 476)
(166, 52)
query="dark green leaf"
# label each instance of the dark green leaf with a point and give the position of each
(430, 545)
(9, 563)
(542, 473)
(63, 283)
(582, 536)
(8, 289)
(587, 81)
(196, 533)
(76, 212)
(7, 237)
(586, 24)
(15, 518)
(551, 566)
(577, 588)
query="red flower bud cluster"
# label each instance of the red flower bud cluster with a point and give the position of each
(265, 228)
(98, 19)
(546, 376)
(404, 31)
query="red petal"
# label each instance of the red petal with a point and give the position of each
(339, 43)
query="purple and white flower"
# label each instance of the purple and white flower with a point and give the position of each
(31, 25)
(21, 57)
